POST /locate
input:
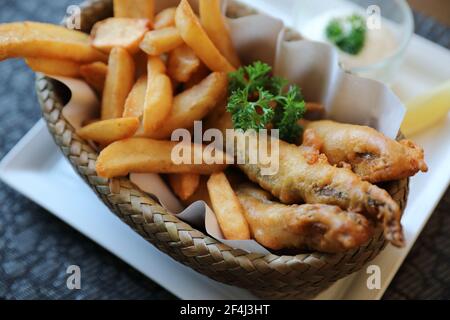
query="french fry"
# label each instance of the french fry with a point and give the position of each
(201, 73)
(194, 104)
(160, 41)
(165, 18)
(184, 185)
(195, 36)
(201, 194)
(141, 155)
(137, 9)
(183, 63)
(47, 30)
(228, 209)
(119, 83)
(158, 102)
(90, 121)
(41, 40)
(126, 33)
(134, 105)
(55, 67)
(215, 26)
(155, 65)
(108, 131)
(95, 75)
(158, 96)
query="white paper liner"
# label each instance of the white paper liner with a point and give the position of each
(312, 65)
(83, 104)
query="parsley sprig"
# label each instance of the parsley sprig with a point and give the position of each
(347, 33)
(257, 100)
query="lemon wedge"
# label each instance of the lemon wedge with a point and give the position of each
(426, 110)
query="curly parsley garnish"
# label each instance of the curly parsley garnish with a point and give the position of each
(348, 33)
(257, 100)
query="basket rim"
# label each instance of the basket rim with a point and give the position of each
(300, 255)
(82, 157)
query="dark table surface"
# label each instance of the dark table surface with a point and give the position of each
(36, 248)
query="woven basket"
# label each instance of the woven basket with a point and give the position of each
(269, 276)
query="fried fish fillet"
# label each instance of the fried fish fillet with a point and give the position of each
(305, 175)
(370, 154)
(315, 227)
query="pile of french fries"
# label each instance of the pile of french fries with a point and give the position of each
(155, 72)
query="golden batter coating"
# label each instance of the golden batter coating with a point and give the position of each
(310, 227)
(305, 175)
(371, 155)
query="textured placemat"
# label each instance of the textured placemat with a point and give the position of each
(36, 247)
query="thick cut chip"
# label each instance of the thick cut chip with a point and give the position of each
(54, 67)
(165, 18)
(108, 131)
(194, 104)
(155, 65)
(158, 102)
(126, 33)
(215, 26)
(184, 185)
(137, 9)
(95, 75)
(41, 40)
(195, 36)
(228, 210)
(119, 82)
(141, 155)
(183, 63)
(134, 105)
(160, 41)
(201, 194)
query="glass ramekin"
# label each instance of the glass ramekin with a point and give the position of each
(396, 13)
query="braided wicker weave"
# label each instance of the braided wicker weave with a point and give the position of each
(269, 276)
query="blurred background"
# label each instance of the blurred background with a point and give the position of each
(439, 9)
(36, 247)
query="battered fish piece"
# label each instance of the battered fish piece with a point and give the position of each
(305, 175)
(370, 154)
(307, 227)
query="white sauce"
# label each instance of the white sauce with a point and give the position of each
(379, 44)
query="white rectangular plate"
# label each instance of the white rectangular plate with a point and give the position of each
(37, 169)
